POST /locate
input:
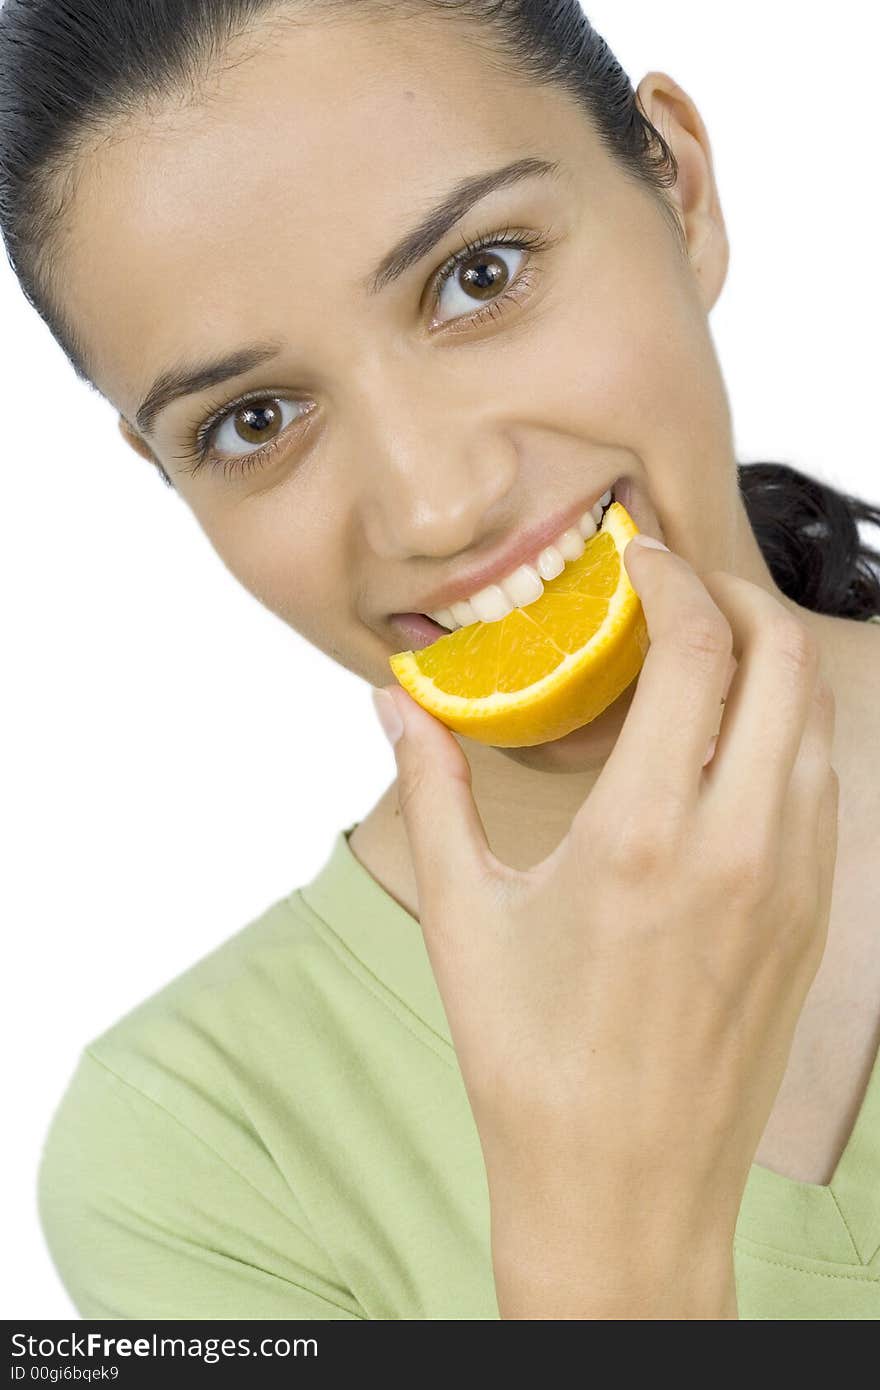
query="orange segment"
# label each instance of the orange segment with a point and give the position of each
(546, 669)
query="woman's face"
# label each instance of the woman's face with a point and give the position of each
(413, 439)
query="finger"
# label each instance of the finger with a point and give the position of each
(767, 707)
(809, 778)
(675, 709)
(710, 751)
(447, 839)
(810, 814)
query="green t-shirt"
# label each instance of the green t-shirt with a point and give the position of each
(283, 1132)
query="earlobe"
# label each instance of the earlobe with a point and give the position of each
(133, 439)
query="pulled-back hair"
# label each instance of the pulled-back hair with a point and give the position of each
(70, 70)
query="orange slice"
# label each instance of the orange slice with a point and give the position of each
(546, 669)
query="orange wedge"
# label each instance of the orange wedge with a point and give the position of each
(546, 669)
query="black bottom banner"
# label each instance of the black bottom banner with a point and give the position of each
(85, 1354)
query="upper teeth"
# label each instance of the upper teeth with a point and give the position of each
(525, 584)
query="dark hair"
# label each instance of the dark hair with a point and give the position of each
(71, 69)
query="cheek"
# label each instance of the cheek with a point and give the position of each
(287, 566)
(628, 358)
(623, 364)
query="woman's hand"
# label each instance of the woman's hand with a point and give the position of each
(623, 1011)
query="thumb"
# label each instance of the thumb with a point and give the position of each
(446, 835)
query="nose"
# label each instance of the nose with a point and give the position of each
(433, 474)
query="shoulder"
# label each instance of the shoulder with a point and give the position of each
(158, 1192)
(196, 1046)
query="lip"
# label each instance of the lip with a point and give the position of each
(519, 550)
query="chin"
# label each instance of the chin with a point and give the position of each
(582, 749)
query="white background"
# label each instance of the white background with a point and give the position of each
(174, 758)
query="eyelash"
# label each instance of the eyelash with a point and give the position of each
(199, 453)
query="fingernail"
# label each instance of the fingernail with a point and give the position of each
(389, 717)
(710, 751)
(650, 541)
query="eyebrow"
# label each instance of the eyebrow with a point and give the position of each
(444, 216)
(175, 382)
(187, 380)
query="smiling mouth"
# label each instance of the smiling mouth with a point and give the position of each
(519, 590)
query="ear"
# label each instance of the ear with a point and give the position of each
(135, 441)
(695, 193)
(133, 438)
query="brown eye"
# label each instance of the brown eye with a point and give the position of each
(484, 275)
(480, 277)
(257, 423)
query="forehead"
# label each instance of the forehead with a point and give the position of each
(257, 211)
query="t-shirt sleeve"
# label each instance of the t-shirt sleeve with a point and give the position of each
(144, 1219)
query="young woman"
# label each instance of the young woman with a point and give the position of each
(392, 294)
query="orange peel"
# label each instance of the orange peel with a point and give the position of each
(546, 669)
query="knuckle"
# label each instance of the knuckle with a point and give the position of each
(640, 846)
(795, 647)
(411, 787)
(824, 694)
(706, 636)
(724, 580)
(826, 702)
